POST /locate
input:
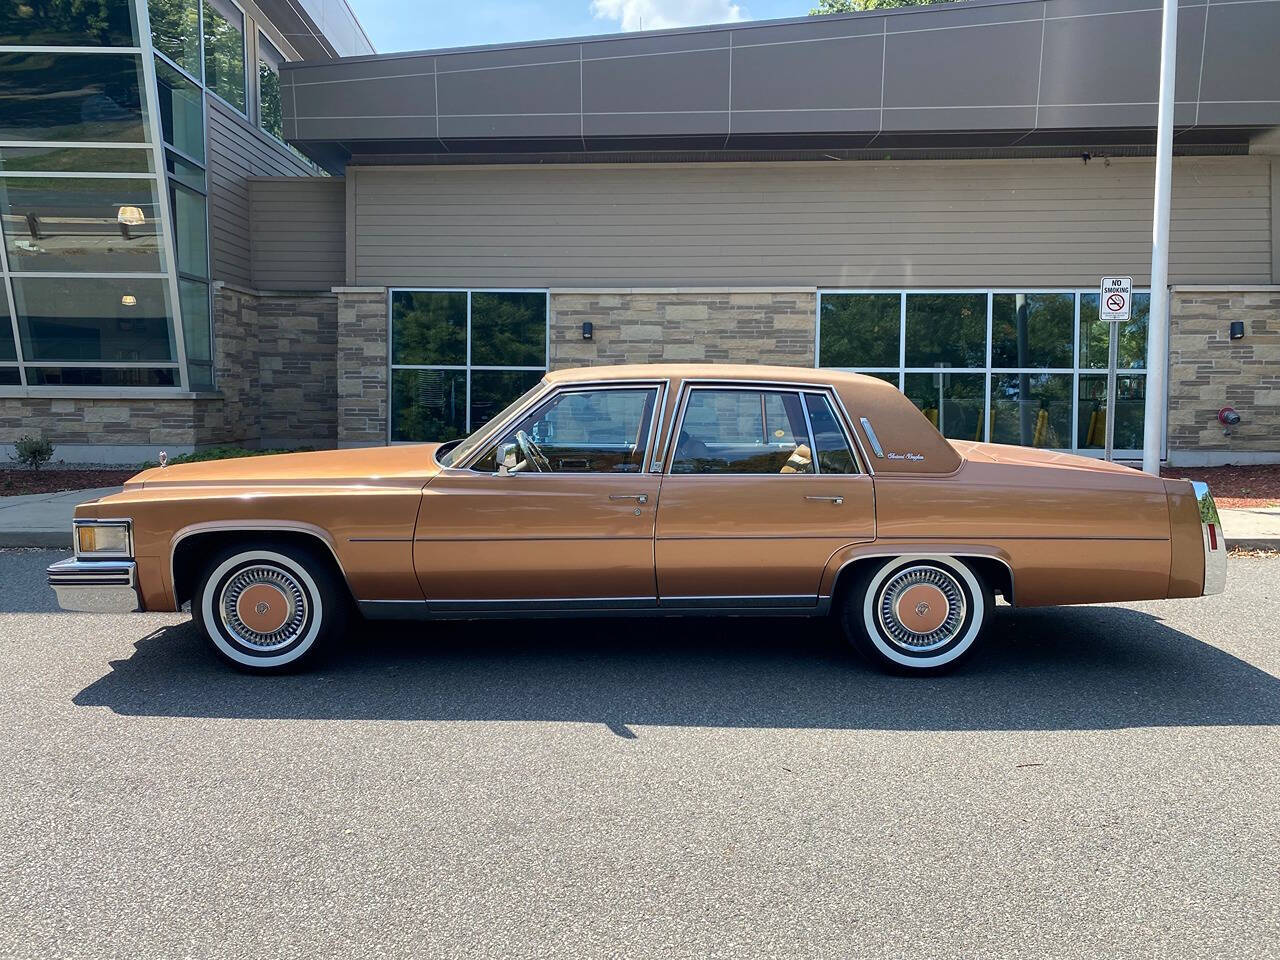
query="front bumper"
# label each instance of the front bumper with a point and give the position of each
(1215, 545)
(96, 586)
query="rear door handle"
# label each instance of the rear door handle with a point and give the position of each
(836, 500)
(637, 497)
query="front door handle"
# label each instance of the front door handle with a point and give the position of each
(836, 500)
(637, 497)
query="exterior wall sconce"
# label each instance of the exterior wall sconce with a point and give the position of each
(587, 330)
(131, 216)
(129, 300)
(1237, 329)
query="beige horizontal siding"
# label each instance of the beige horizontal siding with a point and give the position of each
(854, 224)
(297, 240)
(237, 150)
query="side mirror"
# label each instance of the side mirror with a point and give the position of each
(508, 459)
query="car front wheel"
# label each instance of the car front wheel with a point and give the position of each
(916, 614)
(268, 608)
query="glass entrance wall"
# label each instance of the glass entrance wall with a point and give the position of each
(1008, 366)
(89, 292)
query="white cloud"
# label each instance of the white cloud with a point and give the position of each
(661, 14)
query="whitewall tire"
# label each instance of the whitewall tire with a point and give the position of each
(268, 608)
(916, 614)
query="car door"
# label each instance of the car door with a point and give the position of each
(762, 487)
(569, 526)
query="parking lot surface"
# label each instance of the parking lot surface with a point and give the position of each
(1095, 782)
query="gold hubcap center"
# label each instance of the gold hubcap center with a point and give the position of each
(922, 608)
(263, 608)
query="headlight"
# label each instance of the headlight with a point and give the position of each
(104, 538)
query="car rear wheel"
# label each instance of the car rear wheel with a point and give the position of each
(267, 608)
(916, 614)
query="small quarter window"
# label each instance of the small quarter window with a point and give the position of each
(743, 431)
(832, 446)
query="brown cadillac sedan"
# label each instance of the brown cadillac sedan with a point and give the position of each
(640, 490)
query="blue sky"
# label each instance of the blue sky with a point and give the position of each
(426, 24)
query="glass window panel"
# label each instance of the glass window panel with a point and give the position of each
(1131, 411)
(8, 351)
(47, 23)
(493, 390)
(224, 51)
(197, 333)
(1095, 334)
(428, 405)
(270, 113)
(101, 377)
(586, 431)
(71, 96)
(509, 329)
(946, 328)
(953, 402)
(191, 231)
(429, 327)
(1031, 409)
(834, 455)
(742, 431)
(79, 318)
(181, 111)
(1032, 329)
(183, 172)
(74, 159)
(68, 223)
(175, 31)
(10, 377)
(860, 330)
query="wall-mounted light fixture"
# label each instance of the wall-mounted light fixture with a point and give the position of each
(129, 300)
(1237, 329)
(131, 216)
(587, 330)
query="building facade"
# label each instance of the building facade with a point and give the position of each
(927, 195)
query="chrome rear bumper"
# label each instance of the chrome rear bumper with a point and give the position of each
(1215, 546)
(96, 586)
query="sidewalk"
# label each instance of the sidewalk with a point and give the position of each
(43, 519)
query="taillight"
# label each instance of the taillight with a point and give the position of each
(1213, 536)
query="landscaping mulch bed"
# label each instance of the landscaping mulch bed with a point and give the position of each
(1233, 487)
(15, 483)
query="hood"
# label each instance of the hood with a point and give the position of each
(1031, 457)
(412, 464)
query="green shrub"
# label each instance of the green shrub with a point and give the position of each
(33, 452)
(219, 453)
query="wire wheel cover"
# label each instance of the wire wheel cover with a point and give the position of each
(263, 607)
(921, 609)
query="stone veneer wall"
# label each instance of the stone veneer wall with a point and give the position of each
(1208, 371)
(653, 326)
(362, 359)
(276, 362)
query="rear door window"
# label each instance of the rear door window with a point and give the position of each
(743, 431)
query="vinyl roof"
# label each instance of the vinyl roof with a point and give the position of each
(988, 74)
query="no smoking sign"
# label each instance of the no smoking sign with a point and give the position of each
(1115, 298)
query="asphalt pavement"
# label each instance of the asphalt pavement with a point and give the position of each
(1095, 782)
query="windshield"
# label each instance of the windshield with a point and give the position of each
(463, 450)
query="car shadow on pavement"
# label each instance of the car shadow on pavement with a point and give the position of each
(1075, 668)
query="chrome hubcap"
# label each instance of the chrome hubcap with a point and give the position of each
(921, 609)
(263, 607)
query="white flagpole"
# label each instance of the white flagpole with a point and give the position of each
(1158, 325)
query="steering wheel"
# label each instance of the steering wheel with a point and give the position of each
(532, 452)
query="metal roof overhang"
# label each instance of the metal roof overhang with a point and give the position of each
(979, 78)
